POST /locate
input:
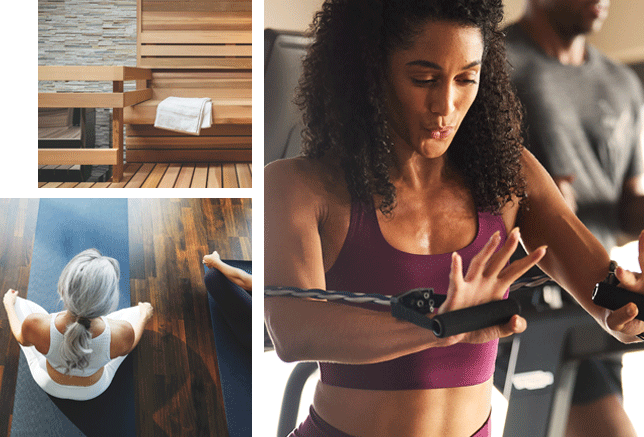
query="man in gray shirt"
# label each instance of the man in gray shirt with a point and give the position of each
(583, 111)
(584, 123)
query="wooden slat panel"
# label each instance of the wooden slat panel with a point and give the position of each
(78, 156)
(196, 37)
(201, 75)
(208, 175)
(185, 176)
(135, 143)
(200, 176)
(210, 6)
(244, 95)
(80, 100)
(155, 177)
(133, 97)
(202, 83)
(229, 175)
(196, 50)
(93, 100)
(140, 177)
(214, 176)
(143, 130)
(189, 156)
(63, 132)
(170, 176)
(224, 63)
(243, 175)
(145, 113)
(201, 20)
(91, 73)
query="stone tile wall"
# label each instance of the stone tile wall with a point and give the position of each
(87, 32)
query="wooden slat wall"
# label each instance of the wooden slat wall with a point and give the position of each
(195, 48)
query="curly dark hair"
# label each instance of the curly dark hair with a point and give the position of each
(342, 96)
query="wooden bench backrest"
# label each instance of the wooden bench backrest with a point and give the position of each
(195, 34)
(195, 48)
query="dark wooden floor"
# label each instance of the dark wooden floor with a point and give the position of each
(176, 376)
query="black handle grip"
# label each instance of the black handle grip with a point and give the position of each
(613, 297)
(474, 318)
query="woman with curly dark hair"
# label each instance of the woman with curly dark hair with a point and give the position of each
(344, 101)
(414, 173)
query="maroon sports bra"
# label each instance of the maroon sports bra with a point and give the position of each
(368, 264)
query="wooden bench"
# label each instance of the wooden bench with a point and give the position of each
(65, 128)
(193, 48)
(117, 99)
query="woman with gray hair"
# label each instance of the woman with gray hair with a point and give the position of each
(74, 354)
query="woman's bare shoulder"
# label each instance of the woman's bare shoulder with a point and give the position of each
(305, 179)
(122, 338)
(119, 325)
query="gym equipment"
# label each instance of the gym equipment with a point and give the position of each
(414, 305)
(544, 360)
(475, 318)
(543, 363)
(610, 295)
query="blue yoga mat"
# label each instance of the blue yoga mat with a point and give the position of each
(235, 368)
(64, 228)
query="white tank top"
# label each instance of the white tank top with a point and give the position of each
(98, 358)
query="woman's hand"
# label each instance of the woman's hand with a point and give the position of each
(9, 299)
(487, 279)
(212, 260)
(623, 320)
(146, 310)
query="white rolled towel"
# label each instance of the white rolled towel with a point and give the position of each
(182, 114)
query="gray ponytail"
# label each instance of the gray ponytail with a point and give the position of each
(89, 288)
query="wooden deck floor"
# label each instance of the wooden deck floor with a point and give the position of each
(177, 387)
(149, 175)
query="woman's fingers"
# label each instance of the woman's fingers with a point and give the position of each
(627, 279)
(500, 259)
(519, 267)
(618, 319)
(456, 270)
(456, 283)
(641, 251)
(479, 261)
(516, 325)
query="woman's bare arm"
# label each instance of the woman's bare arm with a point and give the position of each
(575, 259)
(235, 275)
(315, 330)
(9, 302)
(146, 314)
(306, 329)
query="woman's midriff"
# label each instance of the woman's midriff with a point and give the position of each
(445, 412)
(82, 381)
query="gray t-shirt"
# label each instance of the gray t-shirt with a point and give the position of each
(584, 121)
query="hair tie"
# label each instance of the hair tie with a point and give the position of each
(85, 322)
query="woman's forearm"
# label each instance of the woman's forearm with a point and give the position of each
(15, 324)
(235, 275)
(305, 330)
(139, 328)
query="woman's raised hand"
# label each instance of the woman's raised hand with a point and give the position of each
(487, 279)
